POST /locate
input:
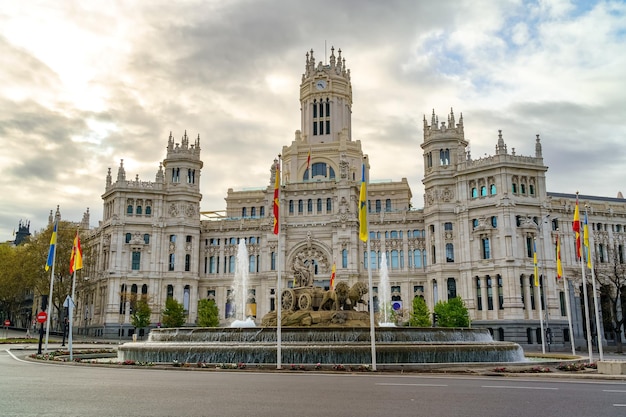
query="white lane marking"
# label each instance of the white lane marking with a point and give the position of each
(412, 385)
(15, 357)
(619, 405)
(518, 387)
(613, 390)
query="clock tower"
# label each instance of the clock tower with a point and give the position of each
(326, 99)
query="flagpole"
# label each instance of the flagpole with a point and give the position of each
(586, 304)
(595, 289)
(364, 236)
(71, 313)
(540, 299)
(569, 315)
(54, 255)
(279, 296)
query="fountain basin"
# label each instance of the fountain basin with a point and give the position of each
(401, 345)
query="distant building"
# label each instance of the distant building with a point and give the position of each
(474, 238)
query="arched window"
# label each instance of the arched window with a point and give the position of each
(319, 205)
(329, 205)
(492, 189)
(417, 258)
(138, 210)
(290, 206)
(187, 262)
(129, 209)
(252, 211)
(319, 170)
(378, 206)
(449, 252)
(309, 206)
(479, 295)
(300, 206)
(128, 237)
(146, 238)
(388, 205)
(451, 288)
(483, 191)
(243, 212)
(474, 192)
(148, 211)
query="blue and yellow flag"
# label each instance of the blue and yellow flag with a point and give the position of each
(53, 242)
(586, 242)
(535, 263)
(363, 208)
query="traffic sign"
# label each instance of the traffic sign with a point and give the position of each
(7, 322)
(42, 316)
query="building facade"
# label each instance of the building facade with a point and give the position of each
(481, 223)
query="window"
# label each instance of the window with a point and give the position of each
(486, 251)
(529, 247)
(188, 238)
(378, 206)
(494, 221)
(483, 191)
(309, 206)
(479, 296)
(531, 189)
(474, 192)
(447, 226)
(601, 252)
(417, 258)
(261, 211)
(146, 238)
(395, 263)
(444, 156)
(434, 256)
(492, 189)
(187, 262)
(138, 210)
(290, 206)
(489, 294)
(171, 262)
(449, 252)
(123, 297)
(273, 261)
(329, 205)
(136, 260)
(212, 265)
(319, 205)
(451, 288)
(320, 169)
(173, 238)
(500, 293)
(252, 263)
(475, 223)
(388, 205)
(129, 209)
(522, 188)
(191, 176)
(128, 237)
(514, 188)
(344, 258)
(243, 212)
(148, 211)
(231, 264)
(144, 290)
(300, 206)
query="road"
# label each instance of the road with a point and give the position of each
(44, 389)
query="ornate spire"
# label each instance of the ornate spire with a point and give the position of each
(121, 172)
(500, 147)
(109, 179)
(538, 153)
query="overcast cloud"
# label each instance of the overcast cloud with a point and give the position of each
(85, 84)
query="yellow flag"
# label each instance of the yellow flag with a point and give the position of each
(363, 208)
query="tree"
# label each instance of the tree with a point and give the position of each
(452, 313)
(174, 314)
(141, 314)
(208, 314)
(420, 317)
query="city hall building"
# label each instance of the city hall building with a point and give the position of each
(473, 238)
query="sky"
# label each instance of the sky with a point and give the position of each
(85, 84)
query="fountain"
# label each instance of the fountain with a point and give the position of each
(384, 296)
(323, 327)
(240, 287)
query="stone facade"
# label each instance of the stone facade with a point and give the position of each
(474, 238)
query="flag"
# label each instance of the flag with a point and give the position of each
(332, 276)
(586, 242)
(363, 208)
(276, 202)
(76, 260)
(576, 228)
(53, 242)
(535, 263)
(308, 162)
(559, 265)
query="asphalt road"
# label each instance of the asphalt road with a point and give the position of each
(44, 389)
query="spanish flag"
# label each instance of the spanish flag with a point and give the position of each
(308, 162)
(76, 260)
(576, 228)
(332, 276)
(276, 197)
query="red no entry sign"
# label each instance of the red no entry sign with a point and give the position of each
(7, 322)
(42, 316)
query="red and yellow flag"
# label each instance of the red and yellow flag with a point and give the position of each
(559, 265)
(576, 228)
(76, 259)
(332, 276)
(276, 198)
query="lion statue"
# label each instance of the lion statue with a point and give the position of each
(337, 296)
(355, 295)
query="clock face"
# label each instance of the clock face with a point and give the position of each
(320, 84)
